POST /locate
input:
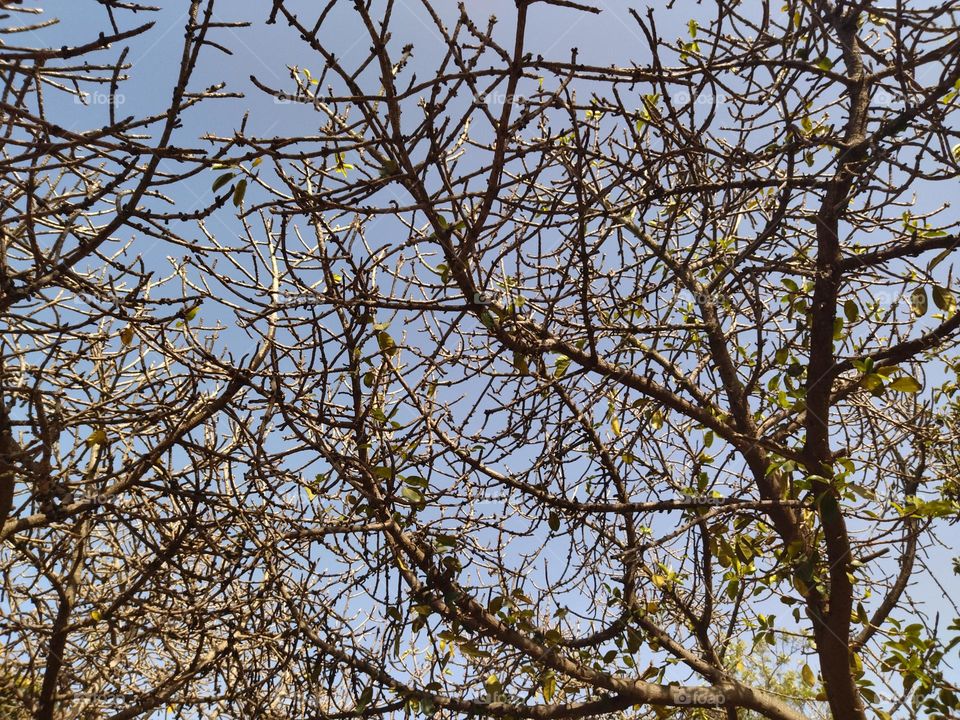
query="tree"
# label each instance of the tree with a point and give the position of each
(524, 387)
(101, 556)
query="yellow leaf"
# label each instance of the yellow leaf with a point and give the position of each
(906, 384)
(97, 437)
(809, 678)
(342, 166)
(549, 686)
(521, 364)
(96, 615)
(615, 426)
(126, 335)
(386, 343)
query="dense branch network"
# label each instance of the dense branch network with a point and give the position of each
(523, 387)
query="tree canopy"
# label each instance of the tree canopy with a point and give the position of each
(484, 379)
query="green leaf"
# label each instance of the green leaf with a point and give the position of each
(222, 180)
(796, 369)
(906, 384)
(411, 494)
(944, 300)
(386, 343)
(446, 541)
(851, 311)
(560, 367)
(239, 191)
(824, 64)
(931, 509)
(389, 168)
(520, 363)
(471, 650)
(366, 697)
(940, 256)
(687, 48)
(918, 302)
